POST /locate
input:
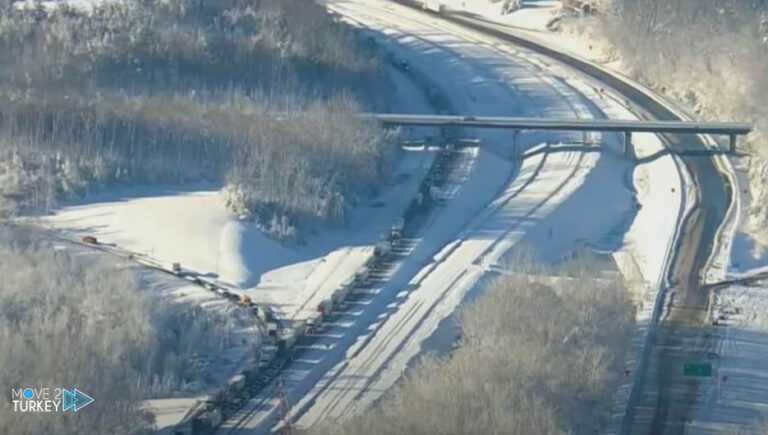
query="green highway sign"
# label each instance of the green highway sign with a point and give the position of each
(700, 370)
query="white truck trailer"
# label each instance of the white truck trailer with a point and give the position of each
(362, 274)
(434, 6)
(396, 231)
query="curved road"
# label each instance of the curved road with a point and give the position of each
(491, 209)
(666, 400)
(656, 406)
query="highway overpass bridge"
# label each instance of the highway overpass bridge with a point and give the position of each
(730, 129)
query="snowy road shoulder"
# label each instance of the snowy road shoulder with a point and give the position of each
(736, 397)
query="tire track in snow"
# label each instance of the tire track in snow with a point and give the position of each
(378, 350)
(366, 363)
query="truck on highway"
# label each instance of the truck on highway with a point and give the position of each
(362, 274)
(207, 421)
(251, 372)
(396, 231)
(299, 327)
(272, 328)
(314, 323)
(243, 300)
(434, 6)
(349, 283)
(286, 341)
(235, 386)
(325, 307)
(340, 295)
(382, 248)
(463, 143)
(266, 355)
(263, 313)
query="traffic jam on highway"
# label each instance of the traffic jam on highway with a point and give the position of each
(513, 147)
(281, 334)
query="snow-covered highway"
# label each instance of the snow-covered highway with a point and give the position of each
(558, 193)
(563, 197)
(311, 259)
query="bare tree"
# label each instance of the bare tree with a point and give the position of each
(126, 93)
(70, 323)
(709, 54)
(539, 355)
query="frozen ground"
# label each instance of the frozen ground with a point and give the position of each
(747, 256)
(535, 20)
(749, 306)
(533, 15)
(167, 412)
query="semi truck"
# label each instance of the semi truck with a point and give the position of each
(206, 422)
(272, 328)
(286, 341)
(434, 6)
(243, 300)
(382, 248)
(314, 323)
(362, 274)
(266, 355)
(325, 307)
(340, 295)
(234, 386)
(396, 231)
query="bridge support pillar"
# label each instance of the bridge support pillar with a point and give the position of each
(516, 154)
(629, 152)
(732, 143)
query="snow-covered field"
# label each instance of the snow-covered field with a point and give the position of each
(747, 256)
(533, 14)
(192, 226)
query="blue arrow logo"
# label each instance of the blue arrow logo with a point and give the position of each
(74, 399)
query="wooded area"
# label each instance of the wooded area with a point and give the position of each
(709, 54)
(538, 355)
(172, 91)
(71, 322)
